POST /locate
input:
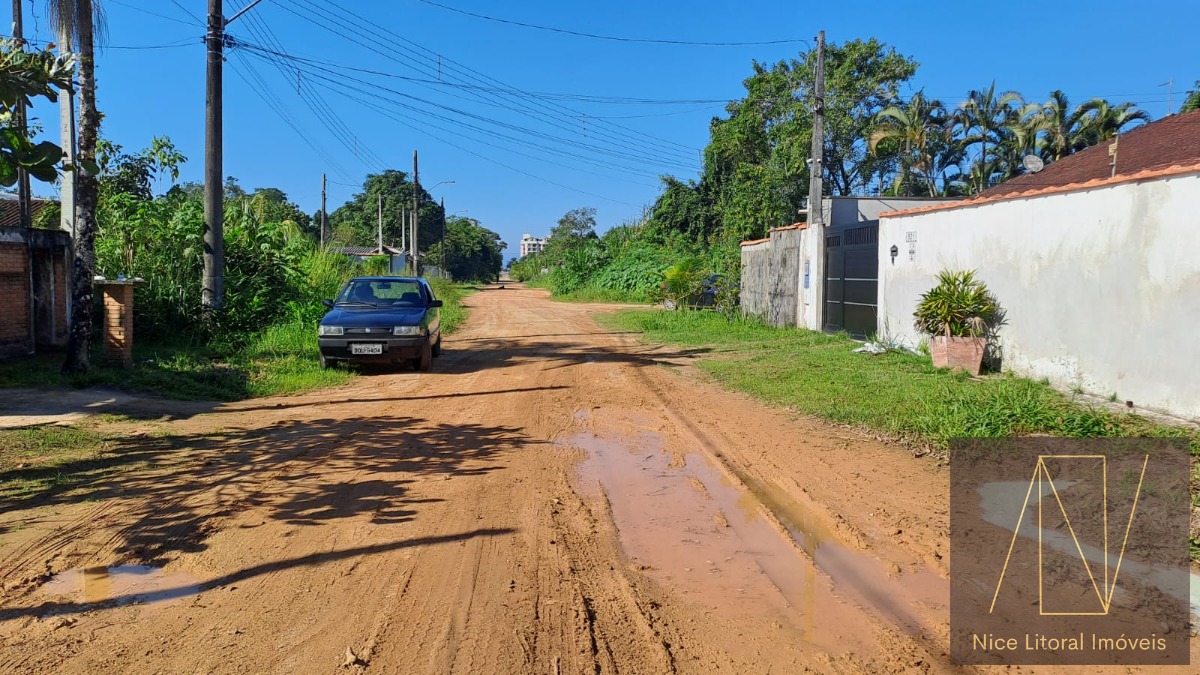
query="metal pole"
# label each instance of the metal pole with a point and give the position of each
(212, 288)
(445, 256)
(322, 222)
(816, 215)
(416, 230)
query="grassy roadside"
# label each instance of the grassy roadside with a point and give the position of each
(898, 395)
(280, 360)
(38, 459)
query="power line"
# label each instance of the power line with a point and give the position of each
(331, 22)
(340, 84)
(261, 86)
(594, 36)
(637, 161)
(316, 104)
(143, 10)
(435, 60)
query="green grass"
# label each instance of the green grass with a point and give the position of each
(899, 394)
(38, 459)
(281, 360)
(451, 294)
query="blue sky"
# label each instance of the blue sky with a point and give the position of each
(534, 169)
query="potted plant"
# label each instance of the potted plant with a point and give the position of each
(956, 315)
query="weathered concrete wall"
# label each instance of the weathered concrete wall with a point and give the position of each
(771, 276)
(755, 264)
(1101, 288)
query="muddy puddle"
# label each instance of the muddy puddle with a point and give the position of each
(123, 584)
(687, 524)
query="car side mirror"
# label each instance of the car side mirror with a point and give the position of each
(327, 303)
(435, 303)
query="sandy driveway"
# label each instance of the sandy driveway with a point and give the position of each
(552, 498)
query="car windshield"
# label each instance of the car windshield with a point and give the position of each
(382, 293)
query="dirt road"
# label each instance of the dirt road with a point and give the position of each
(552, 498)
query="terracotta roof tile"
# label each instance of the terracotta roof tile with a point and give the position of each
(753, 242)
(1170, 146)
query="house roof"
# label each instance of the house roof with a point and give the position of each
(10, 209)
(1168, 147)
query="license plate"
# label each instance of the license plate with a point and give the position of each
(366, 349)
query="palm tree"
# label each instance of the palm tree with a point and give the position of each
(1063, 125)
(920, 132)
(1103, 120)
(984, 116)
(80, 22)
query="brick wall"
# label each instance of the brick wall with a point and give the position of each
(35, 271)
(15, 337)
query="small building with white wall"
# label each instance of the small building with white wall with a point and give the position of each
(1095, 262)
(531, 244)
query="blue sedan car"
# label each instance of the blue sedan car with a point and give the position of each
(382, 320)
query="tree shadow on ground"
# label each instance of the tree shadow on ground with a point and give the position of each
(60, 608)
(171, 492)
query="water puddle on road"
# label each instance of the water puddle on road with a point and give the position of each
(123, 584)
(694, 529)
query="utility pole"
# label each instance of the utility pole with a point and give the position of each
(322, 223)
(21, 122)
(380, 235)
(416, 223)
(212, 290)
(816, 217)
(445, 257)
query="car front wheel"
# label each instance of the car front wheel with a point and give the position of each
(326, 363)
(425, 361)
(437, 346)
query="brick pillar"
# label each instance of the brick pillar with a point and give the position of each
(118, 323)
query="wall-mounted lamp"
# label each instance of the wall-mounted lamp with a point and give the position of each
(895, 252)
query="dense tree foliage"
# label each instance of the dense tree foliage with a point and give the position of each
(1192, 102)
(356, 222)
(471, 252)
(756, 169)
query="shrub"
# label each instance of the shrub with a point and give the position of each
(959, 306)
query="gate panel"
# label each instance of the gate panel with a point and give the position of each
(852, 280)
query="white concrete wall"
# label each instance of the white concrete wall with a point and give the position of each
(1101, 287)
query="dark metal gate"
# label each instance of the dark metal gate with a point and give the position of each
(852, 280)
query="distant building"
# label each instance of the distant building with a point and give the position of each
(531, 244)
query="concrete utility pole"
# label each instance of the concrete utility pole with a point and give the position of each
(21, 122)
(379, 237)
(212, 290)
(322, 222)
(816, 216)
(416, 221)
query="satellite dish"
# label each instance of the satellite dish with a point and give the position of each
(1033, 163)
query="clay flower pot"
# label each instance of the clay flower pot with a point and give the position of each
(957, 352)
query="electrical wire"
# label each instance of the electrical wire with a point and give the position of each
(632, 162)
(317, 104)
(143, 10)
(331, 22)
(262, 89)
(342, 88)
(686, 43)
(435, 59)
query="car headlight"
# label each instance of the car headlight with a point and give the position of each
(408, 330)
(324, 331)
